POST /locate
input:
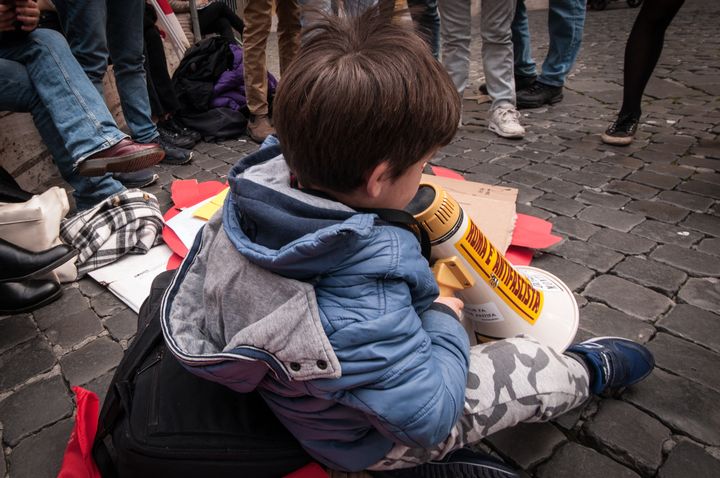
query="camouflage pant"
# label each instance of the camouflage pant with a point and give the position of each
(510, 381)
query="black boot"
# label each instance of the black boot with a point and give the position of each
(28, 295)
(17, 263)
(539, 94)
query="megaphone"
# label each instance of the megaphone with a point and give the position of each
(501, 300)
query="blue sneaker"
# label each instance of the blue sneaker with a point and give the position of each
(614, 362)
(461, 463)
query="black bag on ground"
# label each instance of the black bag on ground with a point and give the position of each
(216, 123)
(159, 420)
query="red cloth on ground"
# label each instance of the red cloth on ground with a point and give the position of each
(78, 461)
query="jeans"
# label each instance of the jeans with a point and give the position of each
(455, 35)
(41, 76)
(566, 20)
(497, 50)
(99, 29)
(428, 22)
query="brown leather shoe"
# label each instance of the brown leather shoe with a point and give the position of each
(124, 157)
(260, 128)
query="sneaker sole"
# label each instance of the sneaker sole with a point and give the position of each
(121, 164)
(552, 101)
(131, 185)
(500, 132)
(612, 140)
(178, 163)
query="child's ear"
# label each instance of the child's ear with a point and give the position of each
(377, 180)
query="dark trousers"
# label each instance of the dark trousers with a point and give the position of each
(219, 18)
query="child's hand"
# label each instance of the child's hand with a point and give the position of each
(453, 302)
(7, 16)
(28, 14)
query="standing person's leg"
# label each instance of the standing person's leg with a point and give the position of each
(288, 30)
(522, 49)
(258, 19)
(642, 52)
(455, 32)
(218, 18)
(497, 58)
(427, 22)
(84, 26)
(18, 94)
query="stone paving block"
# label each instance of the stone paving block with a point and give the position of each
(710, 246)
(686, 359)
(573, 227)
(524, 177)
(532, 211)
(72, 329)
(626, 161)
(594, 180)
(628, 297)
(496, 170)
(694, 324)
(48, 401)
(591, 255)
(106, 304)
(122, 325)
(559, 204)
(576, 460)
(689, 260)
(703, 293)
(628, 435)
(689, 460)
(667, 233)
(100, 385)
(700, 187)
(602, 321)
(186, 171)
(560, 187)
(679, 403)
(14, 330)
(527, 444)
(652, 274)
(90, 288)
(24, 362)
(602, 216)
(91, 361)
(703, 223)
(70, 302)
(670, 170)
(687, 201)
(512, 162)
(622, 241)
(659, 181)
(568, 161)
(573, 275)
(41, 455)
(547, 170)
(712, 178)
(612, 201)
(628, 188)
(659, 210)
(526, 195)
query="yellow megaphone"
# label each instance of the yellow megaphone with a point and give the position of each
(500, 300)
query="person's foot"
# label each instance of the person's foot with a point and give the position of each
(538, 94)
(259, 128)
(505, 121)
(622, 131)
(27, 295)
(124, 157)
(613, 362)
(173, 154)
(464, 463)
(173, 137)
(137, 179)
(19, 263)
(521, 82)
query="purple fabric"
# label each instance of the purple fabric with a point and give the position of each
(229, 91)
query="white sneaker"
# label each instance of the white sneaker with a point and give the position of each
(505, 121)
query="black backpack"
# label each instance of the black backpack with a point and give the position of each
(158, 419)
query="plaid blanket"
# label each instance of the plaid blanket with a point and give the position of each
(129, 222)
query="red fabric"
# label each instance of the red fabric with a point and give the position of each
(174, 262)
(165, 7)
(78, 461)
(519, 256)
(312, 470)
(533, 232)
(446, 173)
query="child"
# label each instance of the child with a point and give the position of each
(308, 290)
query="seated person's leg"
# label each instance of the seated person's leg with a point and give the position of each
(18, 94)
(219, 18)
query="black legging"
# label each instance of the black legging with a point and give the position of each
(219, 18)
(163, 99)
(643, 50)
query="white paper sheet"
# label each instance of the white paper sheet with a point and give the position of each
(185, 225)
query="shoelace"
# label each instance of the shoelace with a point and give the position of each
(505, 112)
(624, 124)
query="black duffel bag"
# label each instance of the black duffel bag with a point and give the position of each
(159, 420)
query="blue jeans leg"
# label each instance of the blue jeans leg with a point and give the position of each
(18, 94)
(566, 21)
(427, 20)
(522, 50)
(77, 110)
(98, 28)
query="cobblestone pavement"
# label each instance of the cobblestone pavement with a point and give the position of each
(642, 253)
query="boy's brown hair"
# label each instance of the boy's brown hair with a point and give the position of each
(361, 91)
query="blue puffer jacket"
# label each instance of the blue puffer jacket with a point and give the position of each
(327, 312)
